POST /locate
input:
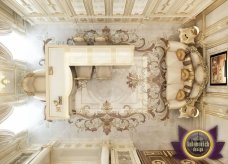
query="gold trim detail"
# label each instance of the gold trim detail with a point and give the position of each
(203, 85)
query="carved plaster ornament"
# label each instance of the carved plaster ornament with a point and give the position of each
(187, 35)
(189, 111)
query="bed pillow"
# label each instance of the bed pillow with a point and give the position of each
(180, 53)
(188, 85)
(185, 74)
(180, 95)
(188, 65)
(187, 60)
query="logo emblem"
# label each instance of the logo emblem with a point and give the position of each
(198, 144)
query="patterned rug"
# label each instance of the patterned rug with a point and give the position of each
(163, 157)
(140, 87)
(134, 94)
(126, 89)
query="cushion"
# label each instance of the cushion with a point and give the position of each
(185, 74)
(187, 61)
(100, 39)
(174, 45)
(188, 87)
(188, 65)
(180, 53)
(172, 89)
(180, 95)
(78, 39)
(173, 75)
(174, 104)
(172, 60)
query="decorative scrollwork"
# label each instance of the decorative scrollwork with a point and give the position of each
(107, 119)
(133, 80)
(118, 37)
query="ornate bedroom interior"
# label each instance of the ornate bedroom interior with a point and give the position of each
(110, 81)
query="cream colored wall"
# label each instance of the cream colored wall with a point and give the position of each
(213, 22)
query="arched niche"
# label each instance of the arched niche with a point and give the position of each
(5, 112)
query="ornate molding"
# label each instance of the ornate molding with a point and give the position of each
(36, 11)
(216, 27)
(215, 43)
(216, 114)
(217, 94)
(119, 37)
(10, 17)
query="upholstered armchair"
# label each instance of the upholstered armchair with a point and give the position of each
(34, 84)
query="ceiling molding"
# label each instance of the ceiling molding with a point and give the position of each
(90, 11)
(68, 8)
(109, 17)
(215, 43)
(128, 7)
(108, 7)
(88, 7)
(213, 6)
(149, 8)
(216, 27)
(10, 17)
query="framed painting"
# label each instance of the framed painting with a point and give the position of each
(218, 69)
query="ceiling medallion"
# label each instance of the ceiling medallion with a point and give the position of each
(107, 118)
